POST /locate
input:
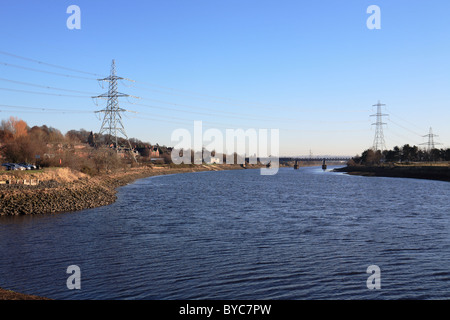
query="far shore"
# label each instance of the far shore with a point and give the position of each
(439, 172)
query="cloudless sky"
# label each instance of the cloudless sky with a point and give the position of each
(309, 68)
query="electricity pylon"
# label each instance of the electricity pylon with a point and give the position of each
(378, 142)
(112, 121)
(430, 144)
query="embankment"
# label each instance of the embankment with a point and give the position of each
(412, 171)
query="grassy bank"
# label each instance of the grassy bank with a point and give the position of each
(416, 171)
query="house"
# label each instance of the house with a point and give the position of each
(154, 152)
(212, 160)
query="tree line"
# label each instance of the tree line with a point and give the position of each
(403, 154)
(48, 147)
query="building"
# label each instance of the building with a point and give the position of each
(154, 152)
(212, 160)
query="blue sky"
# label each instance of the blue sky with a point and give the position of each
(309, 68)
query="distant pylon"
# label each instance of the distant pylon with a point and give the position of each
(112, 121)
(431, 144)
(378, 142)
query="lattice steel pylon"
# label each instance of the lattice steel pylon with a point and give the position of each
(378, 142)
(431, 144)
(112, 121)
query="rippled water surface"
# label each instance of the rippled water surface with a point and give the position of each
(303, 234)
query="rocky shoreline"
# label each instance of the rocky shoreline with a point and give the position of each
(441, 173)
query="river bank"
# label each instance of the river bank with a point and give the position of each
(11, 295)
(64, 190)
(430, 172)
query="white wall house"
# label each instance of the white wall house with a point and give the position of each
(212, 160)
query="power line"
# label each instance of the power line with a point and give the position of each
(251, 117)
(407, 139)
(225, 102)
(198, 113)
(237, 102)
(90, 73)
(255, 106)
(397, 124)
(216, 99)
(44, 93)
(203, 95)
(404, 120)
(105, 96)
(45, 109)
(233, 114)
(228, 126)
(43, 86)
(47, 72)
(240, 117)
(378, 141)
(48, 64)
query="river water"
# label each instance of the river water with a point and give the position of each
(303, 234)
